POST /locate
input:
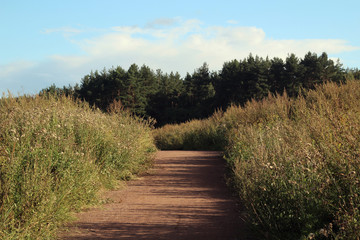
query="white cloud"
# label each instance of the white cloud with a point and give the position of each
(176, 46)
(232, 22)
(185, 46)
(69, 30)
(10, 69)
(161, 22)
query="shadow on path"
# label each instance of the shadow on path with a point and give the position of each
(184, 197)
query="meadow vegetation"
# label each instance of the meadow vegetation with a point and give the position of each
(55, 156)
(293, 163)
(206, 134)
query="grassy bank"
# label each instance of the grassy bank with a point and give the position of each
(295, 163)
(56, 154)
(207, 134)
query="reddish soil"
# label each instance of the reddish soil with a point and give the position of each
(183, 197)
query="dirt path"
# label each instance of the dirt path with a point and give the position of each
(183, 197)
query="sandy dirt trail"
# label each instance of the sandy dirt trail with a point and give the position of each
(183, 197)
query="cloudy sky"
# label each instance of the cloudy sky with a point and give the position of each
(44, 42)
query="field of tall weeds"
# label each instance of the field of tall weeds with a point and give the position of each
(206, 134)
(295, 163)
(55, 156)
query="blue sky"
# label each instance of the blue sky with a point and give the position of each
(46, 42)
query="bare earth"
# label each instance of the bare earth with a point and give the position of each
(183, 197)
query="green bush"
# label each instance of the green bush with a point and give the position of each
(56, 154)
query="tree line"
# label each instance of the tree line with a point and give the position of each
(169, 98)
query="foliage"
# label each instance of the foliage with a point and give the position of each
(168, 98)
(352, 74)
(59, 92)
(55, 155)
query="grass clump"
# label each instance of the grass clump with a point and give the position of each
(55, 155)
(295, 163)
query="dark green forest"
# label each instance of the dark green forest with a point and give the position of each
(170, 98)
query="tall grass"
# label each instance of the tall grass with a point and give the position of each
(56, 154)
(294, 162)
(296, 166)
(207, 134)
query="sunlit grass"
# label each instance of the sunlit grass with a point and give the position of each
(56, 154)
(296, 166)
